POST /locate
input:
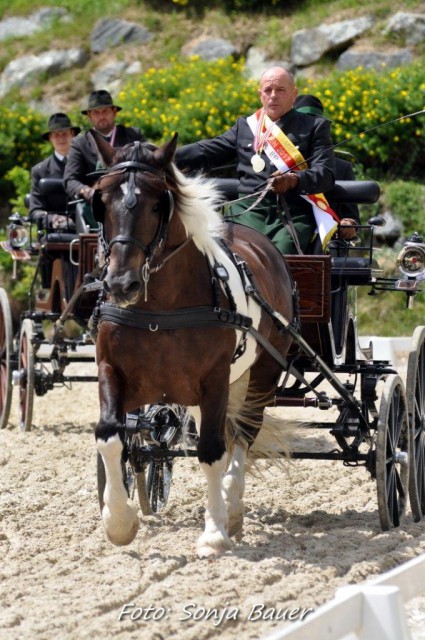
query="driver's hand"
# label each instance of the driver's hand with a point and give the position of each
(283, 182)
(348, 228)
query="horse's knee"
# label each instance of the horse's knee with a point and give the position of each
(210, 451)
(106, 430)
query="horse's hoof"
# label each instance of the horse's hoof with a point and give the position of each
(235, 528)
(213, 546)
(123, 527)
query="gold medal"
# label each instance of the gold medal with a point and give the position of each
(258, 163)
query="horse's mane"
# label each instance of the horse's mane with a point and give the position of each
(197, 204)
(196, 198)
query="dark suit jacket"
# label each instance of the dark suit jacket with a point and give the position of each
(83, 157)
(51, 167)
(310, 134)
(344, 171)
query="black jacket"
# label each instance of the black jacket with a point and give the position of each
(310, 134)
(83, 157)
(50, 167)
(344, 171)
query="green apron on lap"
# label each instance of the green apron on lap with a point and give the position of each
(265, 218)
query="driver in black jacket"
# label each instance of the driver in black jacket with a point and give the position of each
(292, 149)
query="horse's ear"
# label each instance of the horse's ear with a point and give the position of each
(165, 154)
(106, 151)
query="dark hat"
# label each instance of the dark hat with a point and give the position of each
(99, 99)
(59, 122)
(306, 103)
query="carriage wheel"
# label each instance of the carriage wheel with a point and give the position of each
(393, 447)
(6, 347)
(415, 392)
(154, 485)
(27, 375)
(159, 478)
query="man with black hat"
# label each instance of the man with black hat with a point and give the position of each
(60, 133)
(83, 156)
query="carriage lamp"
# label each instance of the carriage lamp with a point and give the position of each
(17, 232)
(411, 259)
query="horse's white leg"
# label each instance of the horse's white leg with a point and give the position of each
(233, 490)
(214, 540)
(119, 513)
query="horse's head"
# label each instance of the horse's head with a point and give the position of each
(134, 203)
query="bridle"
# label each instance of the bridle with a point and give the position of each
(130, 201)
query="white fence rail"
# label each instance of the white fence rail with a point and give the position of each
(361, 612)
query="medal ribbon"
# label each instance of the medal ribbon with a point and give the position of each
(285, 156)
(261, 133)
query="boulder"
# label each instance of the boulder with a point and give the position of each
(24, 71)
(309, 45)
(372, 59)
(112, 32)
(210, 49)
(411, 26)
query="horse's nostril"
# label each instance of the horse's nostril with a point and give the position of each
(134, 286)
(106, 287)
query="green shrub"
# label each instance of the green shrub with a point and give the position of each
(363, 100)
(20, 140)
(406, 201)
(21, 180)
(196, 98)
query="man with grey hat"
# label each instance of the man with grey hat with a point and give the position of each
(83, 156)
(60, 133)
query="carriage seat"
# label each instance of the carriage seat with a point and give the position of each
(343, 191)
(355, 270)
(54, 194)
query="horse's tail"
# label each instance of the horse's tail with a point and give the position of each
(269, 439)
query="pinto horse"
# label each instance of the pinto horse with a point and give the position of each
(174, 326)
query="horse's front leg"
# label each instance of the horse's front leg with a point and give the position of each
(213, 459)
(119, 513)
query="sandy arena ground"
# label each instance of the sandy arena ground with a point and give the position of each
(308, 530)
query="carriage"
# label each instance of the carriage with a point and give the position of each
(380, 418)
(315, 356)
(40, 343)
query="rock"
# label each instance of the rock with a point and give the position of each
(390, 232)
(23, 71)
(42, 19)
(372, 59)
(411, 26)
(256, 63)
(210, 49)
(106, 77)
(112, 32)
(309, 45)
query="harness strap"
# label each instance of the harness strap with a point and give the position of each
(178, 319)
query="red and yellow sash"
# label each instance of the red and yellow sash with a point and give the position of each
(285, 156)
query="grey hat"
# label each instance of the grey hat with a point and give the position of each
(99, 99)
(59, 122)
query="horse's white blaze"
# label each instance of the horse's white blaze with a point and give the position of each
(119, 513)
(124, 189)
(233, 489)
(214, 540)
